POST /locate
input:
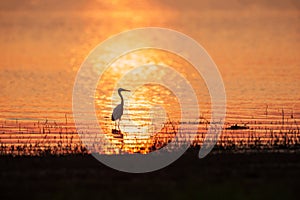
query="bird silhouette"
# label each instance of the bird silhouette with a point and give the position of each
(118, 111)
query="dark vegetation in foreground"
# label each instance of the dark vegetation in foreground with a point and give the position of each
(53, 138)
(283, 140)
(220, 175)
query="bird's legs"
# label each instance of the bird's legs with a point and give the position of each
(119, 124)
(115, 125)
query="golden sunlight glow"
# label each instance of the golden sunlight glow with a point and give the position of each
(151, 111)
(43, 45)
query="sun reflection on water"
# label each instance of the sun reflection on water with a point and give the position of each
(152, 111)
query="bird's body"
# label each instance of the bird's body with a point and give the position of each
(118, 111)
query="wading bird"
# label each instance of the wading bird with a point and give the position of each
(118, 111)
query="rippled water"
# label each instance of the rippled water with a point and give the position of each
(255, 48)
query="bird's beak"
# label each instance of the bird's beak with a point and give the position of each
(127, 90)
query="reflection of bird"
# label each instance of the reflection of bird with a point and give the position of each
(118, 111)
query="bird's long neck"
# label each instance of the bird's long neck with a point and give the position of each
(122, 100)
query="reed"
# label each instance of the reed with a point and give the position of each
(60, 138)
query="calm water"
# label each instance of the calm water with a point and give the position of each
(42, 47)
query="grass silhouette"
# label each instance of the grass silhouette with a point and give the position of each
(53, 138)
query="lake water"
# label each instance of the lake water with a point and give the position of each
(255, 46)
